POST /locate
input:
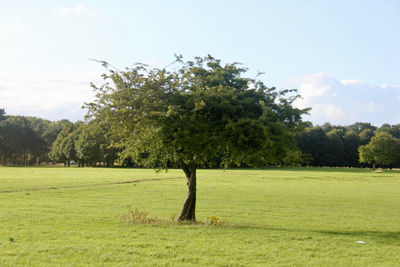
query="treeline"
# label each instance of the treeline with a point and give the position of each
(340, 146)
(27, 141)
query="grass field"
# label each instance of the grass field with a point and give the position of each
(277, 217)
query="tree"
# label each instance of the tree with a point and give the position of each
(198, 113)
(351, 143)
(393, 130)
(314, 145)
(93, 144)
(58, 148)
(49, 136)
(383, 149)
(18, 141)
(366, 136)
(359, 127)
(335, 148)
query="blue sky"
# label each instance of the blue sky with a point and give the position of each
(343, 56)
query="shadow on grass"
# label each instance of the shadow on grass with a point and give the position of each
(333, 169)
(323, 169)
(384, 237)
(314, 169)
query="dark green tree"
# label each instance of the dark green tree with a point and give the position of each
(313, 143)
(19, 141)
(351, 143)
(201, 111)
(335, 151)
(366, 136)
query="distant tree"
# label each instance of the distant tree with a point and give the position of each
(49, 135)
(94, 145)
(351, 143)
(393, 130)
(313, 142)
(18, 141)
(202, 111)
(327, 127)
(335, 150)
(58, 146)
(383, 149)
(366, 136)
(68, 144)
(359, 127)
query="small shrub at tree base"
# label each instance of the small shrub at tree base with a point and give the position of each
(142, 217)
(173, 217)
(214, 220)
(136, 216)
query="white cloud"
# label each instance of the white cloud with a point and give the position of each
(347, 101)
(50, 95)
(352, 81)
(333, 112)
(79, 10)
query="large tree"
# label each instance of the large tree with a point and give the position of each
(383, 149)
(200, 112)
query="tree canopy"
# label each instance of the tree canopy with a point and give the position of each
(202, 111)
(383, 149)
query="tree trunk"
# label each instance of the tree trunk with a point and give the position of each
(373, 166)
(189, 207)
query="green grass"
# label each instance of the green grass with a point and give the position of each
(277, 217)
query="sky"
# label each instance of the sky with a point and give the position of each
(342, 56)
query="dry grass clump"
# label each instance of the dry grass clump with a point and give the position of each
(137, 216)
(142, 217)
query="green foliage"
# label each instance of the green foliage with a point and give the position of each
(335, 150)
(86, 143)
(313, 142)
(359, 127)
(393, 130)
(59, 149)
(383, 149)
(19, 143)
(366, 136)
(202, 111)
(332, 145)
(351, 143)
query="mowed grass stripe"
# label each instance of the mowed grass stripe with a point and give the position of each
(88, 185)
